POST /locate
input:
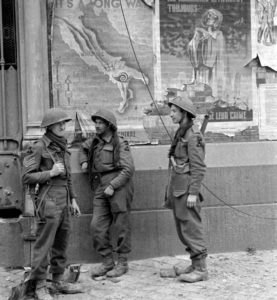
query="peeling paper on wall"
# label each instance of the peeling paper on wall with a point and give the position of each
(220, 128)
(264, 59)
(12, 220)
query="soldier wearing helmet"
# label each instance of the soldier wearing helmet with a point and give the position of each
(108, 159)
(47, 169)
(187, 170)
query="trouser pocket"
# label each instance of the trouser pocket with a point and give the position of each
(180, 182)
(122, 198)
(48, 208)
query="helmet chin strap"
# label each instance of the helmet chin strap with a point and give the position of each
(112, 128)
(107, 133)
(184, 119)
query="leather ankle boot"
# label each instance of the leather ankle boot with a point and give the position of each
(121, 267)
(60, 286)
(106, 266)
(181, 269)
(42, 292)
(199, 273)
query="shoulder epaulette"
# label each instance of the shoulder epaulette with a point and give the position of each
(195, 129)
(122, 138)
(34, 143)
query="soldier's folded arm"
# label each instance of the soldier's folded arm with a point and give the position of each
(127, 167)
(84, 150)
(72, 193)
(31, 164)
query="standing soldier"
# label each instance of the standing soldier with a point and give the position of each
(109, 162)
(187, 170)
(47, 169)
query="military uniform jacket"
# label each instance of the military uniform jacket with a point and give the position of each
(189, 153)
(37, 166)
(103, 159)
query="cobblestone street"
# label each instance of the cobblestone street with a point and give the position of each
(233, 276)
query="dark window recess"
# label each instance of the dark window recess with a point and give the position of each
(9, 33)
(10, 213)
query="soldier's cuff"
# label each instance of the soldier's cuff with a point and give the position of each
(48, 175)
(193, 191)
(113, 184)
(83, 161)
(72, 195)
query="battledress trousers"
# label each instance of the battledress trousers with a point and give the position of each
(185, 178)
(52, 207)
(114, 210)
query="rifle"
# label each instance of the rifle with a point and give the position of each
(204, 124)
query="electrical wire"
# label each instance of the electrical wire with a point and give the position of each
(147, 4)
(234, 208)
(144, 80)
(147, 86)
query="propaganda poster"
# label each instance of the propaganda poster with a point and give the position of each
(265, 32)
(205, 45)
(94, 66)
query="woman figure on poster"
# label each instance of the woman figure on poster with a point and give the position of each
(187, 170)
(265, 12)
(206, 52)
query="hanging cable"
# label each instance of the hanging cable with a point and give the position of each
(234, 208)
(149, 3)
(147, 86)
(144, 80)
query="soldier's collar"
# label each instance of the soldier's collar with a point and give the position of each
(105, 139)
(46, 140)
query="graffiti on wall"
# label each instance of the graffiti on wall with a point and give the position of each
(204, 48)
(93, 64)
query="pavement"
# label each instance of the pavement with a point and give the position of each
(234, 276)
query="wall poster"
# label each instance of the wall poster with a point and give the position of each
(205, 45)
(93, 65)
(265, 32)
(268, 111)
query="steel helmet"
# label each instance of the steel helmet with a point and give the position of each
(54, 115)
(184, 103)
(106, 115)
